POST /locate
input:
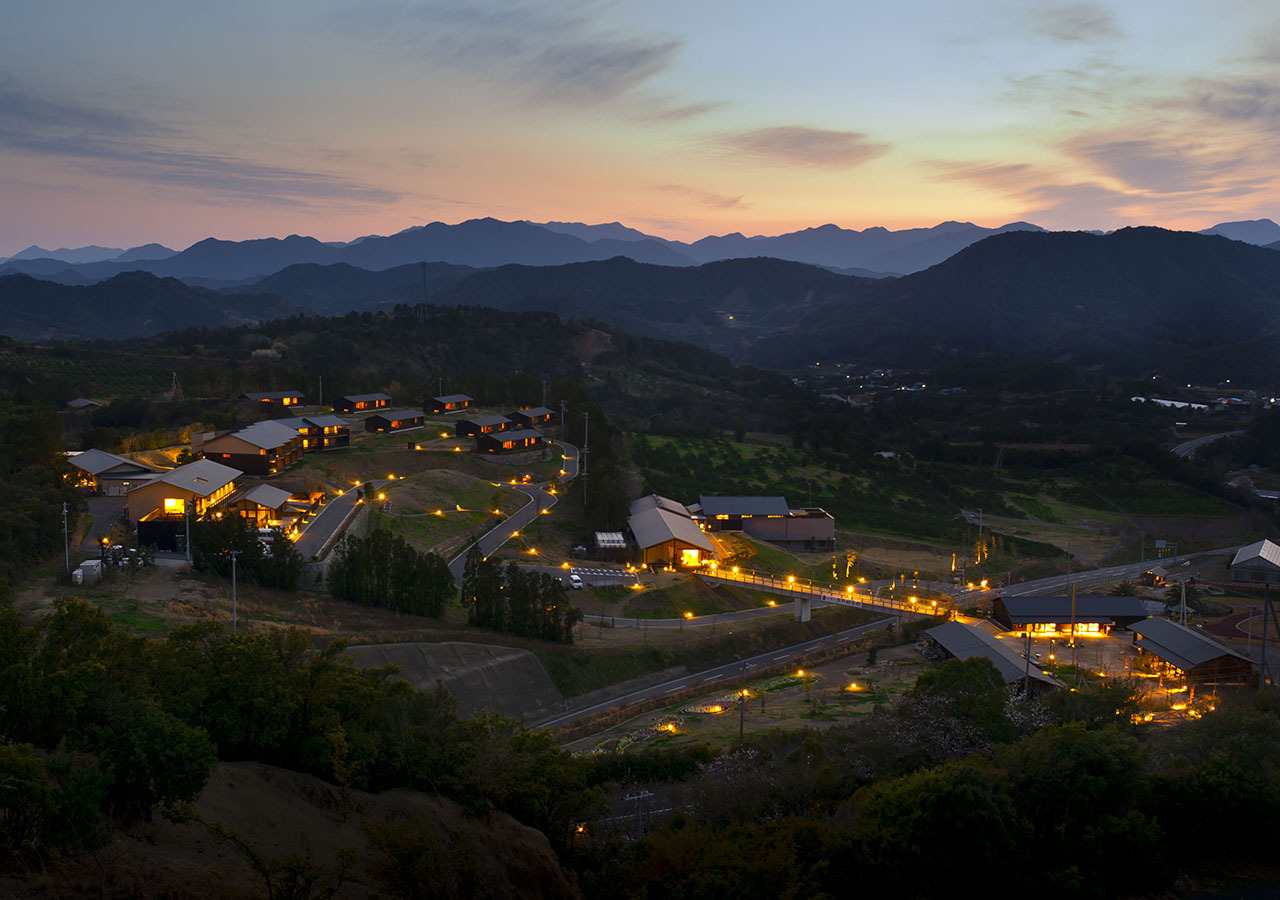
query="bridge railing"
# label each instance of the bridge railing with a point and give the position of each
(807, 586)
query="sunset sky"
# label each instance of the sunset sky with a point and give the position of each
(154, 120)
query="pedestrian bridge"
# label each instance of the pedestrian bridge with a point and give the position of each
(804, 592)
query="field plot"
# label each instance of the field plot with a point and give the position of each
(824, 695)
(429, 508)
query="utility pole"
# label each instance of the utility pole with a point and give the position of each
(1184, 603)
(235, 618)
(186, 510)
(582, 456)
(1264, 676)
(1073, 629)
(66, 539)
(1026, 674)
(638, 797)
(563, 423)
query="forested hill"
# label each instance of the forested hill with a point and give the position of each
(1139, 299)
(129, 304)
(725, 306)
(411, 351)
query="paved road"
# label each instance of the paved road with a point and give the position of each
(540, 499)
(1127, 571)
(720, 672)
(330, 519)
(1188, 448)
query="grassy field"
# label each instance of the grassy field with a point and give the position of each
(827, 694)
(429, 508)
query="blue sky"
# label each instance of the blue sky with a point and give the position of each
(143, 120)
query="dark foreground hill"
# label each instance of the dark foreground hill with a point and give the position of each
(1139, 299)
(128, 305)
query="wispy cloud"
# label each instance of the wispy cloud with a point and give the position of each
(705, 198)
(120, 145)
(797, 145)
(1155, 165)
(1074, 23)
(550, 51)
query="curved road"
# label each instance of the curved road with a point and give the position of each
(539, 499)
(1188, 448)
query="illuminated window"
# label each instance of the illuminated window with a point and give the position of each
(174, 506)
(690, 557)
(288, 400)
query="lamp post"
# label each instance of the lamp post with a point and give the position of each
(66, 539)
(235, 619)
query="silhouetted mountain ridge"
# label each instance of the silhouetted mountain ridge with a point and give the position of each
(1135, 300)
(129, 305)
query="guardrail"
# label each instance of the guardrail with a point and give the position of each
(792, 586)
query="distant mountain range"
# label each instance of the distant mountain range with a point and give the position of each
(486, 243)
(1136, 300)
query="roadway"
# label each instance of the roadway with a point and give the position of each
(1188, 448)
(719, 673)
(327, 522)
(540, 498)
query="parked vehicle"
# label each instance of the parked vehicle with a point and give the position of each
(575, 582)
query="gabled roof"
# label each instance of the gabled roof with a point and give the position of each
(267, 495)
(1100, 608)
(269, 395)
(1186, 648)
(965, 641)
(534, 411)
(202, 477)
(657, 526)
(268, 434)
(82, 402)
(1263, 549)
(743, 506)
(453, 398)
(365, 398)
(657, 501)
(99, 462)
(297, 423)
(394, 414)
(486, 420)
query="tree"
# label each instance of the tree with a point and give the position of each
(971, 690)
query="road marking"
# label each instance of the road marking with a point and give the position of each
(783, 656)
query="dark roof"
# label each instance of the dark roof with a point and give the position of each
(744, 506)
(486, 420)
(1186, 648)
(452, 398)
(964, 641)
(98, 462)
(326, 421)
(390, 414)
(358, 398)
(534, 411)
(1100, 608)
(512, 434)
(269, 395)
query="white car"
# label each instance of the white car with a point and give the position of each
(575, 582)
